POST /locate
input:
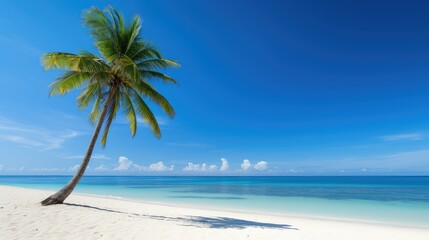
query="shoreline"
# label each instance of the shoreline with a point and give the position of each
(89, 217)
(254, 212)
(245, 211)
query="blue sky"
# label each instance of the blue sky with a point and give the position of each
(266, 88)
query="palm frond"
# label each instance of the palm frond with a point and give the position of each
(68, 82)
(103, 31)
(152, 64)
(147, 90)
(126, 68)
(157, 75)
(111, 114)
(129, 111)
(133, 33)
(145, 113)
(140, 51)
(118, 19)
(85, 62)
(90, 93)
(96, 109)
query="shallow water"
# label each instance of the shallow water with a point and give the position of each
(396, 200)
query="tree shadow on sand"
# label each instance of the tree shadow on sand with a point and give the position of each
(198, 221)
(226, 222)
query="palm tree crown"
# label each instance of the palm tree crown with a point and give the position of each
(124, 71)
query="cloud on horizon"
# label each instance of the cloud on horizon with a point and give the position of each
(246, 164)
(225, 164)
(124, 164)
(262, 165)
(191, 167)
(160, 167)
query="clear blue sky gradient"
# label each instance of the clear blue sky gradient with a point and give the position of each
(310, 87)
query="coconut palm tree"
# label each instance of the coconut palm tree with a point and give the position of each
(119, 79)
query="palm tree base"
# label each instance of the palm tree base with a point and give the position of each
(51, 201)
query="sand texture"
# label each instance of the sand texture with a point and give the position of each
(91, 217)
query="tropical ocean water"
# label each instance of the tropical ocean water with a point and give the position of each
(393, 200)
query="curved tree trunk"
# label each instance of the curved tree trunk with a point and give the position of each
(61, 195)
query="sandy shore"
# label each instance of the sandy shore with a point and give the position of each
(87, 217)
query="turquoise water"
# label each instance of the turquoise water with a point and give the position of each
(395, 200)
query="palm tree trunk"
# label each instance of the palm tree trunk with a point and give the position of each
(61, 195)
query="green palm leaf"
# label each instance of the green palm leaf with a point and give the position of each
(157, 75)
(146, 114)
(148, 91)
(140, 51)
(68, 82)
(129, 111)
(153, 64)
(90, 93)
(111, 114)
(84, 62)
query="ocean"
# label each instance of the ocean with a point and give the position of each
(385, 199)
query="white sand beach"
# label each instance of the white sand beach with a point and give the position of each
(91, 217)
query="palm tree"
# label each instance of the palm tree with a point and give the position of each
(118, 80)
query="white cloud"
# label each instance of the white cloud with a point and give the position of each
(191, 167)
(101, 168)
(402, 137)
(262, 165)
(123, 164)
(225, 164)
(160, 167)
(1, 167)
(246, 164)
(74, 168)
